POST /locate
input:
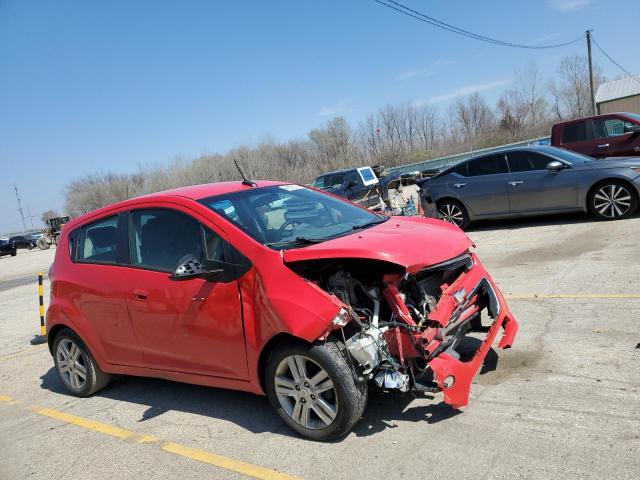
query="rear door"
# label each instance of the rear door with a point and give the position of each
(98, 287)
(193, 326)
(534, 188)
(484, 189)
(612, 140)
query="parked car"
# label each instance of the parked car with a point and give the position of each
(360, 185)
(533, 181)
(306, 303)
(610, 135)
(7, 248)
(23, 241)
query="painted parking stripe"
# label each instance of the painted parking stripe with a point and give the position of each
(196, 454)
(534, 296)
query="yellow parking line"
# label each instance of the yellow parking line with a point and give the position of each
(203, 456)
(224, 462)
(95, 426)
(533, 296)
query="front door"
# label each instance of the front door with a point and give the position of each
(534, 188)
(613, 139)
(192, 326)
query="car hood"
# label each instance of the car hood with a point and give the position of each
(411, 242)
(615, 162)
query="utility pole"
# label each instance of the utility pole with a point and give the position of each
(591, 82)
(24, 223)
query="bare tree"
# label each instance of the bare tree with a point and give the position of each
(573, 92)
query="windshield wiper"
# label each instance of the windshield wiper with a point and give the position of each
(297, 240)
(369, 224)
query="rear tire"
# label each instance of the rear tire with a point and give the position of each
(315, 390)
(76, 367)
(613, 200)
(454, 212)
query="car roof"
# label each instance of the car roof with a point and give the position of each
(344, 170)
(192, 192)
(548, 149)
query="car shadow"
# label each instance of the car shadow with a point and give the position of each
(541, 221)
(249, 411)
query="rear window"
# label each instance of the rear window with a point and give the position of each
(574, 132)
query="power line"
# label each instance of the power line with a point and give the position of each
(398, 7)
(609, 57)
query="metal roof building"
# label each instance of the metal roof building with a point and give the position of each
(621, 95)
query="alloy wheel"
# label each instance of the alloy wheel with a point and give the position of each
(612, 201)
(452, 214)
(72, 364)
(306, 392)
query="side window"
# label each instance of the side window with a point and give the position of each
(519, 162)
(159, 238)
(610, 127)
(98, 240)
(461, 169)
(574, 132)
(489, 165)
(526, 161)
(354, 177)
(539, 161)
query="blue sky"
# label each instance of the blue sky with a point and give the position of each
(96, 86)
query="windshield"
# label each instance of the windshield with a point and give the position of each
(568, 156)
(635, 116)
(291, 216)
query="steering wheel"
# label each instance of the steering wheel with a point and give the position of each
(283, 229)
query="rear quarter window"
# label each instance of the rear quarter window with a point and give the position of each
(98, 241)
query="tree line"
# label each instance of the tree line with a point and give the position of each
(395, 135)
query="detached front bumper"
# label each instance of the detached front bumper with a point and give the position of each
(472, 292)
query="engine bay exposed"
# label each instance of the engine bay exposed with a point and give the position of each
(397, 321)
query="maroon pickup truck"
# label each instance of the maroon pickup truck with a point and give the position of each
(609, 135)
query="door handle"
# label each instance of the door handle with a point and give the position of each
(604, 145)
(140, 294)
(516, 182)
(459, 185)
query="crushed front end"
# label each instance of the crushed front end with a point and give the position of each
(406, 331)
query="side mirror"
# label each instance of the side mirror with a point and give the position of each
(632, 129)
(352, 183)
(190, 267)
(555, 166)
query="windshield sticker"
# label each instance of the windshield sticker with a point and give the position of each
(291, 188)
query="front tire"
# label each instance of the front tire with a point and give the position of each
(76, 367)
(315, 390)
(613, 200)
(454, 212)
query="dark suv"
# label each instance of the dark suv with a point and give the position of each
(7, 248)
(610, 135)
(360, 185)
(22, 241)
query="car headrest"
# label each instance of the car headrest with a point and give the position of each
(102, 237)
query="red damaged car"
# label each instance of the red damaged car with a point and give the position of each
(271, 288)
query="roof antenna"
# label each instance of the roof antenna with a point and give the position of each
(245, 180)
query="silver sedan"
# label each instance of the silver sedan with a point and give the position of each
(535, 180)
